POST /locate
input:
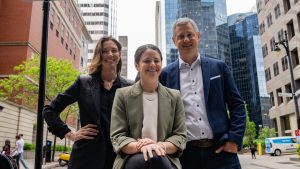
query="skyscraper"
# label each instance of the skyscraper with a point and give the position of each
(100, 20)
(211, 17)
(276, 17)
(247, 65)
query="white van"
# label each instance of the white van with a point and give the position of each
(278, 145)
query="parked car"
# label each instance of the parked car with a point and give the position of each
(278, 145)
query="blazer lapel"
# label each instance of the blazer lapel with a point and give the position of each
(95, 89)
(205, 67)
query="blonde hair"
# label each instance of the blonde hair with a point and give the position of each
(95, 66)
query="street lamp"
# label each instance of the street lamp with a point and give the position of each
(285, 44)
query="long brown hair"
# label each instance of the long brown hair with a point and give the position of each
(95, 66)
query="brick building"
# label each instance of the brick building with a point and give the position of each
(21, 32)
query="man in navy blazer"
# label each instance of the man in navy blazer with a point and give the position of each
(215, 113)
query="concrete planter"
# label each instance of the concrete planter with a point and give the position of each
(30, 154)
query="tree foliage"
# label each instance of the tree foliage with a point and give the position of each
(23, 86)
(250, 131)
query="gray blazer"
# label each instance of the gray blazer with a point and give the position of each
(127, 120)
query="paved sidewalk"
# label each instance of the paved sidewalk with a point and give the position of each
(48, 165)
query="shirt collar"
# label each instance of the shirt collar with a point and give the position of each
(183, 64)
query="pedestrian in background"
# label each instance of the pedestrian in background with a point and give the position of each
(94, 94)
(20, 149)
(148, 124)
(253, 150)
(6, 148)
(214, 109)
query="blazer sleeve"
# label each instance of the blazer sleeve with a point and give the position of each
(52, 111)
(236, 108)
(179, 131)
(119, 129)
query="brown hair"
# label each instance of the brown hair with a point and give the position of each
(95, 66)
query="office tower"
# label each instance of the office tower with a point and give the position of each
(247, 65)
(124, 42)
(100, 18)
(211, 17)
(21, 33)
(276, 17)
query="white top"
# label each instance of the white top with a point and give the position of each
(150, 111)
(20, 144)
(192, 92)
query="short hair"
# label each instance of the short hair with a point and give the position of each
(184, 21)
(140, 50)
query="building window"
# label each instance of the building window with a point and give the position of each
(272, 99)
(287, 5)
(269, 20)
(290, 29)
(57, 33)
(272, 44)
(266, 1)
(268, 74)
(294, 57)
(277, 11)
(286, 122)
(280, 35)
(276, 69)
(279, 98)
(62, 40)
(284, 62)
(265, 50)
(296, 1)
(298, 18)
(67, 47)
(288, 89)
(262, 28)
(51, 25)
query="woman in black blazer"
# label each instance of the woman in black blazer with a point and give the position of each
(94, 94)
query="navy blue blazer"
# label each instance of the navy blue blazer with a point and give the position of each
(220, 93)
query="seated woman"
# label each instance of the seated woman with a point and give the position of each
(148, 120)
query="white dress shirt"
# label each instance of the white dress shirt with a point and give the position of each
(192, 91)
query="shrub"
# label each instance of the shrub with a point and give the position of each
(28, 146)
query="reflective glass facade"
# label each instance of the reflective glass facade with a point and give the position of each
(247, 65)
(211, 17)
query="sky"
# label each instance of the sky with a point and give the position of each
(137, 21)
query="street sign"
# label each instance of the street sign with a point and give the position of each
(285, 94)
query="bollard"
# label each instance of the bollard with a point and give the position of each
(259, 148)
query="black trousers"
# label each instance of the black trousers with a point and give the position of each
(137, 161)
(206, 158)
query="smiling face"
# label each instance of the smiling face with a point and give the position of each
(186, 39)
(110, 54)
(149, 65)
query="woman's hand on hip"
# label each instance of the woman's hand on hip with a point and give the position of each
(86, 132)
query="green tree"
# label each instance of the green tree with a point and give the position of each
(23, 86)
(250, 131)
(266, 132)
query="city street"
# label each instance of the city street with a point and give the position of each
(263, 162)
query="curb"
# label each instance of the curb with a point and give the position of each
(50, 166)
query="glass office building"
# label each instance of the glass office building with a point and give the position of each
(211, 17)
(247, 65)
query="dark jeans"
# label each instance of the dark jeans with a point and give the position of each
(136, 161)
(206, 158)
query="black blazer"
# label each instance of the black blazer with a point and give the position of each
(86, 92)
